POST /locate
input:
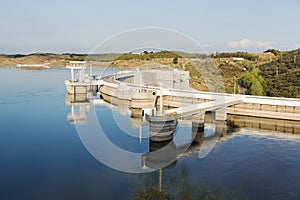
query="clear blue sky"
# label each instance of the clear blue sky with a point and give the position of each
(29, 26)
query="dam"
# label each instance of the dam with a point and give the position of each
(164, 95)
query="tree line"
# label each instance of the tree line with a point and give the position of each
(245, 55)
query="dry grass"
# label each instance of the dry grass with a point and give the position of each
(53, 60)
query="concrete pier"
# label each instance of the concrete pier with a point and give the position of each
(221, 114)
(198, 128)
(161, 128)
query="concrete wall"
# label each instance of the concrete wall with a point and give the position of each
(266, 111)
(255, 106)
(169, 79)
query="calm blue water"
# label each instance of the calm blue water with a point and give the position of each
(42, 156)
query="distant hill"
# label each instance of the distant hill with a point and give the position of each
(282, 76)
(148, 55)
(54, 60)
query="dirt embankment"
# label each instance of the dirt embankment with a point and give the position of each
(51, 60)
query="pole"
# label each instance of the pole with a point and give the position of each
(234, 88)
(72, 74)
(160, 102)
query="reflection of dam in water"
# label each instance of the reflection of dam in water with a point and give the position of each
(80, 103)
(160, 153)
(201, 137)
(284, 126)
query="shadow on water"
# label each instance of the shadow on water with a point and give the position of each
(198, 135)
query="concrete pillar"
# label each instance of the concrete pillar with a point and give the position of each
(80, 89)
(162, 128)
(221, 114)
(72, 74)
(198, 128)
(221, 128)
(161, 105)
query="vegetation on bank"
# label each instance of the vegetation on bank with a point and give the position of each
(148, 55)
(146, 186)
(245, 55)
(274, 51)
(282, 76)
(253, 81)
(277, 76)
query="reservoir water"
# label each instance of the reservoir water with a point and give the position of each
(42, 155)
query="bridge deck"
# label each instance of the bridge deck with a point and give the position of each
(207, 106)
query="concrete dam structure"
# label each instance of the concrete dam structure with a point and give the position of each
(157, 95)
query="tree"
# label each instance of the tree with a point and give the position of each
(274, 51)
(256, 88)
(254, 82)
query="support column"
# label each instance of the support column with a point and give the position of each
(72, 74)
(198, 128)
(221, 128)
(221, 114)
(161, 128)
(220, 121)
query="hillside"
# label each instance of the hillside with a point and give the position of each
(282, 76)
(54, 60)
(198, 65)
